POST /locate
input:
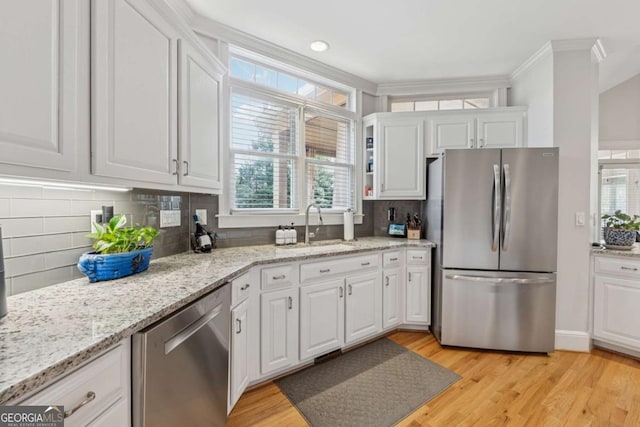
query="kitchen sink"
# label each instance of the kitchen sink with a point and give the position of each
(314, 249)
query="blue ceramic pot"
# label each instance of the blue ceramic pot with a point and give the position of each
(99, 267)
(619, 237)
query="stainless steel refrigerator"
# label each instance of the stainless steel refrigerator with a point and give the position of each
(494, 216)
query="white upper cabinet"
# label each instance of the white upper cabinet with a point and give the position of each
(452, 131)
(401, 159)
(200, 81)
(491, 128)
(500, 130)
(40, 83)
(134, 92)
(146, 76)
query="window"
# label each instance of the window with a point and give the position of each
(619, 181)
(440, 104)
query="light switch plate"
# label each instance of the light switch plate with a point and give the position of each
(169, 219)
(202, 216)
(580, 219)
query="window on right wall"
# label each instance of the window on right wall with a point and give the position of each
(470, 103)
(619, 187)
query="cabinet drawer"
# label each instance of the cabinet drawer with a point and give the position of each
(103, 378)
(337, 266)
(418, 256)
(391, 259)
(278, 277)
(240, 288)
(618, 266)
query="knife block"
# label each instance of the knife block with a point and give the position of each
(413, 234)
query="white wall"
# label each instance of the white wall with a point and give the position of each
(534, 88)
(620, 115)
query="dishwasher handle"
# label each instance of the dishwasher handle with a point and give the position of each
(175, 341)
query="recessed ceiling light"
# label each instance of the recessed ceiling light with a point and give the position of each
(319, 46)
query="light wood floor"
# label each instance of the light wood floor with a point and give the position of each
(564, 389)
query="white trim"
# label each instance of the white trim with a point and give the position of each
(531, 61)
(273, 220)
(598, 51)
(573, 341)
(616, 347)
(217, 30)
(444, 86)
(183, 9)
(573, 44)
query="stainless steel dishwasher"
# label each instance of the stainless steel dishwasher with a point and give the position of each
(180, 366)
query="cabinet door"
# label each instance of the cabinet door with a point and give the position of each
(134, 92)
(401, 159)
(391, 297)
(40, 83)
(451, 131)
(616, 316)
(239, 357)
(321, 318)
(502, 130)
(418, 295)
(118, 414)
(200, 80)
(363, 315)
(278, 330)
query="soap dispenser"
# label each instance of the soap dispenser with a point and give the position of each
(294, 235)
(280, 236)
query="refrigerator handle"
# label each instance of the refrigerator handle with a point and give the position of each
(496, 207)
(515, 280)
(507, 206)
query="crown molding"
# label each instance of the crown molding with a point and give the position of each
(593, 44)
(443, 86)
(210, 28)
(540, 54)
(182, 8)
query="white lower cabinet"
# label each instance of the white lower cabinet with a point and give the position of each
(391, 297)
(363, 314)
(321, 318)
(97, 394)
(616, 316)
(239, 375)
(278, 330)
(418, 295)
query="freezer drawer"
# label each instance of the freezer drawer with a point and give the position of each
(499, 310)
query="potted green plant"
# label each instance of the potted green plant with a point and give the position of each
(620, 228)
(119, 251)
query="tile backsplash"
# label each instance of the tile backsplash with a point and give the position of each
(44, 229)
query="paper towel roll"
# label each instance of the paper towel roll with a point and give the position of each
(348, 225)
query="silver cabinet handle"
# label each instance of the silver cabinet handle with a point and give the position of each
(481, 142)
(470, 142)
(416, 257)
(386, 281)
(497, 207)
(364, 264)
(173, 342)
(280, 277)
(350, 290)
(341, 292)
(186, 172)
(239, 326)
(393, 259)
(325, 270)
(409, 276)
(382, 188)
(290, 302)
(628, 268)
(507, 206)
(245, 287)
(88, 399)
(175, 161)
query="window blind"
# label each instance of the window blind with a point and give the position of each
(264, 135)
(329, 161)
(620, 189)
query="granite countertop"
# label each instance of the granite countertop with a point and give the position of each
(49, 331)
(633, 253)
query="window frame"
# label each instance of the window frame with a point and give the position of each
(444, 97)
(247, 218)
(610, 164)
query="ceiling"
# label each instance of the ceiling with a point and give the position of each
(403, 40)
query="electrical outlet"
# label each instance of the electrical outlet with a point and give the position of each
(169, 219)
(94, 214)
(202, 216)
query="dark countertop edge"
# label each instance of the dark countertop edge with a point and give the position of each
(36, 381)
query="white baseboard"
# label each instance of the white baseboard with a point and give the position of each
(573, 341)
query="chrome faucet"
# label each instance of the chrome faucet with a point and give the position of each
(308, 235)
